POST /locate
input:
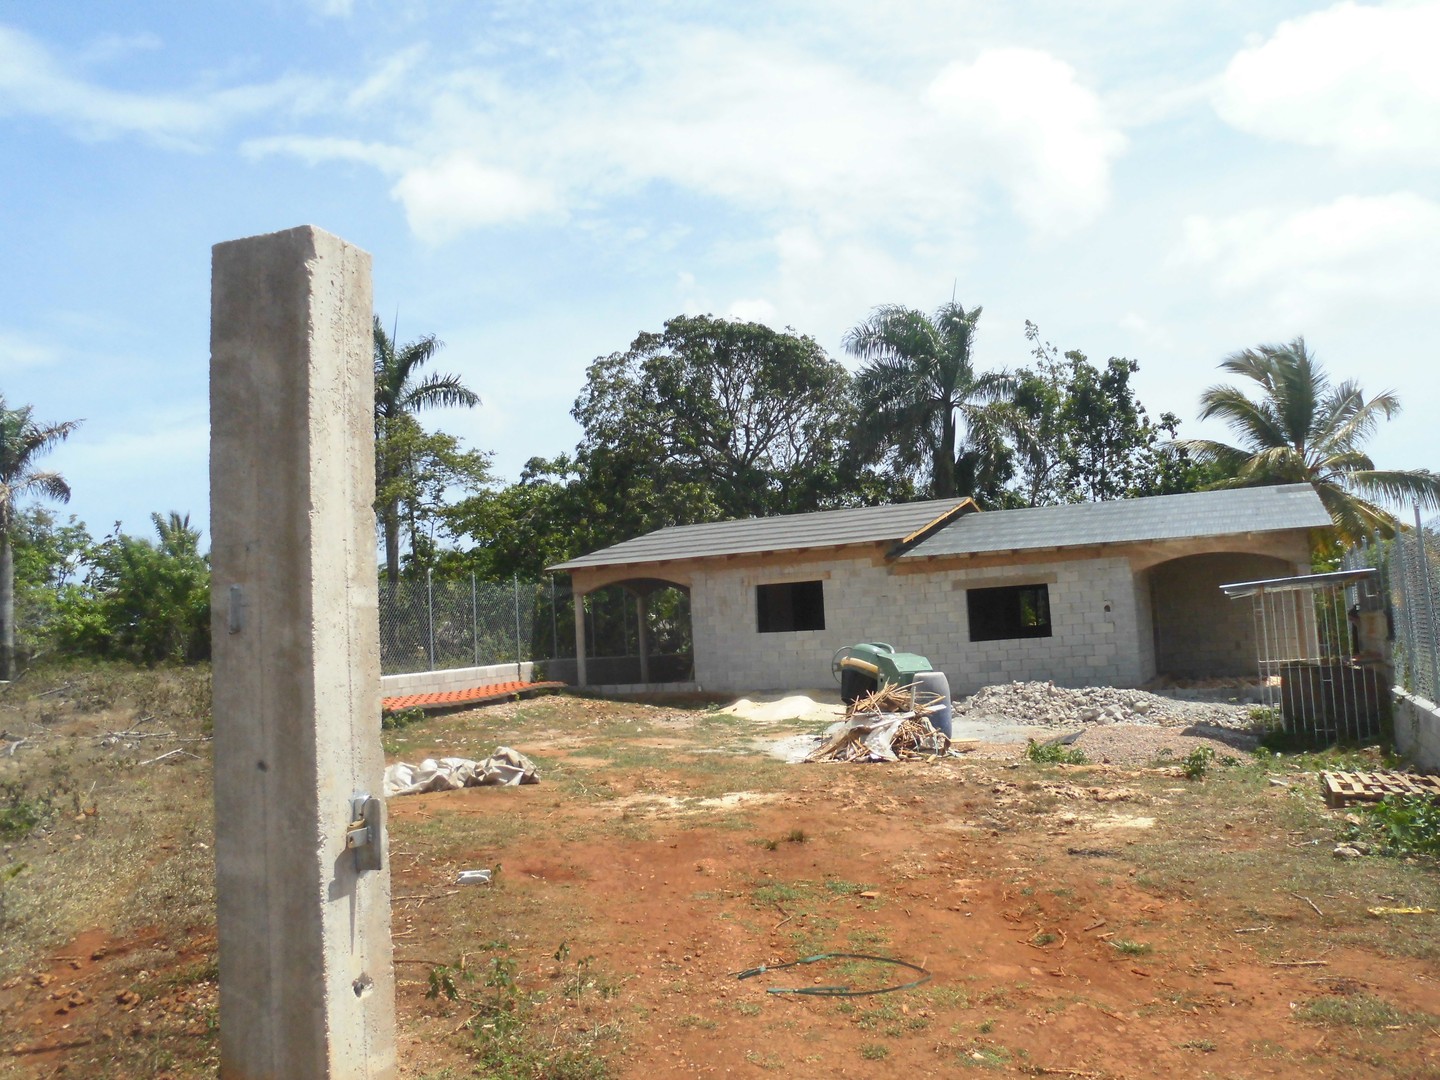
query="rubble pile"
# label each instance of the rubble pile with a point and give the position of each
(1045, 704)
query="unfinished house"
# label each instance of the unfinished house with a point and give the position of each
(1082, 594)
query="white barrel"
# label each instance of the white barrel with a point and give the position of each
(933, 687)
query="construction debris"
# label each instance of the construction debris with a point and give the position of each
(505, 767)
(1045, 704)
(886, 725)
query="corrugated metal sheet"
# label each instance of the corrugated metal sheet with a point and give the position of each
(1161, 517)
(827, 528)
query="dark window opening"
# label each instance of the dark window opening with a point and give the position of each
(795, 605)
(1016, 611)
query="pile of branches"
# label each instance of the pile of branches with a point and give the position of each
(886, 725)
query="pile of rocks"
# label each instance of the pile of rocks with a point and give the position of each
(1048, 705)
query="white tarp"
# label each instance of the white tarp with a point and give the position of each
(505, 767)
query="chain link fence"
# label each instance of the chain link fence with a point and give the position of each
(440, 623)
(1414, 558)
(449, 622)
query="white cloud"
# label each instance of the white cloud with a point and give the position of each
(754, 309)
(1026, 111)
(318, 149)
(1360, 80)
(757, 125)
(19, 352)
(456, 194)
(33, 83)
(1353, 252)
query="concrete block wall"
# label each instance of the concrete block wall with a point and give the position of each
(1094, 614)
(440, 682)
(1199, 631)
(1417, 730)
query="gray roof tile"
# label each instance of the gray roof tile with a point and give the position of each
(825, 528)
(1161, 517)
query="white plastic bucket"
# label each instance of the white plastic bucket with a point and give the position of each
(932, 686)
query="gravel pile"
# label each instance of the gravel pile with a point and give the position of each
(1044, 704)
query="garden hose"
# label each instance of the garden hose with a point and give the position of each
(836, 991)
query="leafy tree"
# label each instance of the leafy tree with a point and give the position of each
(708, 419)
(143, 601)
(22, 440)
(524, 527)
(1092, 439)
(923, 405)
(399, 393)
(50, 558)
(1302, 428)
(434, 467)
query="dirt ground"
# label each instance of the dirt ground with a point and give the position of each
(1097, 920)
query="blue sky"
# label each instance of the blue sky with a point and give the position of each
(1168, 181)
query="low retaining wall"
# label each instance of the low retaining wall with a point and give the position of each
(1417, 730)
(440, 682)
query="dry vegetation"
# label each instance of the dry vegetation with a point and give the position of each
(1086, 921)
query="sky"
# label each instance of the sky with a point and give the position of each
(538, 183)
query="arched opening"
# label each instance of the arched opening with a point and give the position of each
(636, 632)
(1197, 631)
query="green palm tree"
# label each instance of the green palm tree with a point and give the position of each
(1301, 428)
(21, 441)
(922, 401)
(398, 395)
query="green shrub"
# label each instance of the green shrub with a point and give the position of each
(1054, 754)
(1409, 824)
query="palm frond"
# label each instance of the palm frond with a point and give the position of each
(439, 391)
(1254, 421)
(1419, 486)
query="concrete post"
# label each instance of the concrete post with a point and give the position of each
(306, 978)
(579, 600)
(642, 618)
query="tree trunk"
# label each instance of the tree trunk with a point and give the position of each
(942, 479)
(391, 520)
(7, 608)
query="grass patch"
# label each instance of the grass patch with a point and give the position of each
(1131, 948)
(1054, 754)
(1357, 1011)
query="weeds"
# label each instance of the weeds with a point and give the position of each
(1410, 824)
(1356, 1010)
(1197, 763)
(1130, 948)
(504, 1023)
(400, 718)
(20, 814)
(1053, 754)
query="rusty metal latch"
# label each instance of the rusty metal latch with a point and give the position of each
(363, 834)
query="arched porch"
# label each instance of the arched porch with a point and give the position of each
(631, 631)
(1196, 630)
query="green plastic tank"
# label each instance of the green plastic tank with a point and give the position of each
(865, 668)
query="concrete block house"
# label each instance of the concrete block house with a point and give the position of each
(1082, 594)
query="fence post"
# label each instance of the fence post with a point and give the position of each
(519, 670)
(474, 618)
(430, 613)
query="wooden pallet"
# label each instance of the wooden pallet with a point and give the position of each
(1344, 788)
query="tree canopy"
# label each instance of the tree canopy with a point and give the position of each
(922, 404)
(1300, 427)
(1090, 437)
(22, 440)
(400, 392)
